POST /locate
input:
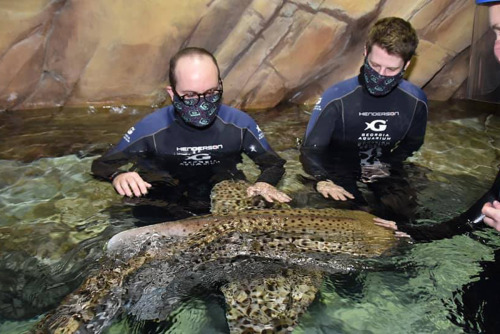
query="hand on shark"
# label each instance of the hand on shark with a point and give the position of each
(329, 189)
(392, 226)
(267, 191)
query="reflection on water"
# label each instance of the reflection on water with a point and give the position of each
(55, 219)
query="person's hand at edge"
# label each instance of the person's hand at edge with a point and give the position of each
(491, 212)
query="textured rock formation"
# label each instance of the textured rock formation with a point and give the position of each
(77, 53)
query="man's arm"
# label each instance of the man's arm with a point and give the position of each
(136, 145)
(271, 165)
(314, 161)
(486, 209)
(108, 167)
(126, 183)
(272, 169)
(315, 154)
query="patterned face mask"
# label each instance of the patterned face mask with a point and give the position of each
(378, 84)
(201, 114)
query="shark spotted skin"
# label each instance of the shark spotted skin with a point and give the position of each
(268, 263)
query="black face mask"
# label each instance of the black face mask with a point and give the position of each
(378, 84)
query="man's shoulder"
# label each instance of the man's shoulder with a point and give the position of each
(230, 115)
(163, 113)
(239, 119)
(341, 89)
(336, 92)
(413, 90)
(155, 121)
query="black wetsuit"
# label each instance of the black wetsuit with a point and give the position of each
(351, 133)
(166, 151)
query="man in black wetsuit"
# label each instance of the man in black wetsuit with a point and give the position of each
(187, 147)
(492, 210)
(365, 127)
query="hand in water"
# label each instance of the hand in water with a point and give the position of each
(330, 189)
(267, 191)
(491, 212)
(392, 226)
(130, 184)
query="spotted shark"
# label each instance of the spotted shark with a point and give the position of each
(269, 264)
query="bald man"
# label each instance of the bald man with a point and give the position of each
(185, 148)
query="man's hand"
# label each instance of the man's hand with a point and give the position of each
(392, 226)
(130, 184)
(267, 191)
(330, 189)
(492, 214)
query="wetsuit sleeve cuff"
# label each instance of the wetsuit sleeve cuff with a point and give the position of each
(320, 178)
(115, 174)
(270, 181)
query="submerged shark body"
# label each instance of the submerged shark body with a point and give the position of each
(268, 263)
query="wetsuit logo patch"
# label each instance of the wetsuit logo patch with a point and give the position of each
(195, 157)
(259, 131)
(376, 125)
(378, 113)
(127, 135)
(376, 136)
(318, 104)
(200, 159)
(200, 156)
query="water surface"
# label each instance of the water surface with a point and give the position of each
(55, 219)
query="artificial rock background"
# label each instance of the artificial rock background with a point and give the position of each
(94, 52)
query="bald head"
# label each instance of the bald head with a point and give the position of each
(193, 53)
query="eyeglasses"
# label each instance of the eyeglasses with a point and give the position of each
(191, 99)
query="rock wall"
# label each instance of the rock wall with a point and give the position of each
(92, 52)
